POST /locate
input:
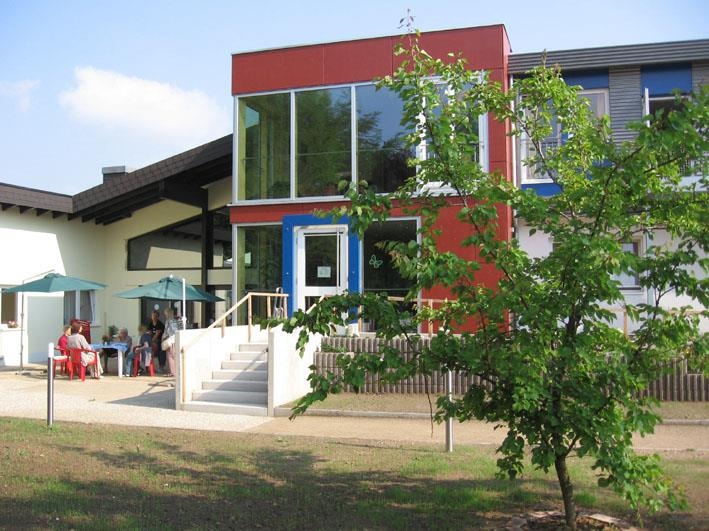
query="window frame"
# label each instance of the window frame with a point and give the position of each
(76, 303)
(420, 151)
(637, 250)
(524, 145)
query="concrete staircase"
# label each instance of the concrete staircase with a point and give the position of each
(239, 387)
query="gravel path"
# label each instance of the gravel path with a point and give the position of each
(148, 401)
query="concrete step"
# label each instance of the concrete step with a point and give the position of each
(232, 409)
(259, 386)
(239, 375)
(245, 365)
(251, 347)
(249, 355)
(232, 397)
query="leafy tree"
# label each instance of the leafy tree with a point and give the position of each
(555, 371)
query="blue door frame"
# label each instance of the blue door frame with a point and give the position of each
(290, 223)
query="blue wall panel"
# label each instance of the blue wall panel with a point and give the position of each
(663, 79)
(588, 79)
(289, 255)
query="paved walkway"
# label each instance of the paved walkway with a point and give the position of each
(148, 401)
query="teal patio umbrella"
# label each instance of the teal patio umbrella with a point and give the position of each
(172, 289)
(56, 282)
(53, 282)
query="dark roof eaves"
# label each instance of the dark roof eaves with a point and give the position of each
(154, 172)
(34, 198)
(609, 56)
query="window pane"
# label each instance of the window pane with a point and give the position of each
(264, 146)
(379, 271)
(9, 307)
(221, 238)
(258, 263)
(86, 309)
(627, 280)
(87, 303)
(324, 140)
(381, 147)
(173, 247)
(259, 258)
(321, 260)
(69, 305)
(597, 101)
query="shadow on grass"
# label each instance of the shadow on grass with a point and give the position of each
(141, 479)
(272, 488)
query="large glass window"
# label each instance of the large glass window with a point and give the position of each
(323, 140)
(381, 144)
(179, 246)
(264, 149)
(258, 263)
(321, 156)
(173, 247)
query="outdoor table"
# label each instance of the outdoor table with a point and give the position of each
(120, 348)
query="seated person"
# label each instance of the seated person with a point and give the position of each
(62, 341)
(76, 340)
(144, 349)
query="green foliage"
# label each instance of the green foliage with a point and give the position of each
(556, 373)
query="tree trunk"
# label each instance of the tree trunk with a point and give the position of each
(567, 491)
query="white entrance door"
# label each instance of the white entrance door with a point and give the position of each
(321, 254)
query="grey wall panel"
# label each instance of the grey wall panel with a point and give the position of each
(626, 103)
(700, 74)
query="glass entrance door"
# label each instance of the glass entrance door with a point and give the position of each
(322, 263)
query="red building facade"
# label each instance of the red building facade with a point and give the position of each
(309, 117)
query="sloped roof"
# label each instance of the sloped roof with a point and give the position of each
(180, 178)
(29, 198)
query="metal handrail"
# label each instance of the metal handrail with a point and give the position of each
(221, 321)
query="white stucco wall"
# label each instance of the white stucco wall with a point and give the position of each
(539, 244)
(36, 245)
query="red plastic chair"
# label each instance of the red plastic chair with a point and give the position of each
(75, 364)
(61, 360)
(136, 365)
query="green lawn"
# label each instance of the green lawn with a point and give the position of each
(80, 476)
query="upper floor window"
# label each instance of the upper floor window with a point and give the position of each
(530, 172)
(305, 143)
(264, 146)
(323, 140)
(382, 153)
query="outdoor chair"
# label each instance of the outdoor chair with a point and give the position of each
(61, 360)
(75, 365)
(136, 365)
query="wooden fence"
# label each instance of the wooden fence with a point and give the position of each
(677, 385)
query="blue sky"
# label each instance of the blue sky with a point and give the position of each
(92, 83)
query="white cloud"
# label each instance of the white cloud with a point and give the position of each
(19, 90)
(154, 110)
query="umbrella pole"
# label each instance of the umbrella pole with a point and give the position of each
(184, 305)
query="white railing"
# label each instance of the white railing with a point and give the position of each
(218, 345)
